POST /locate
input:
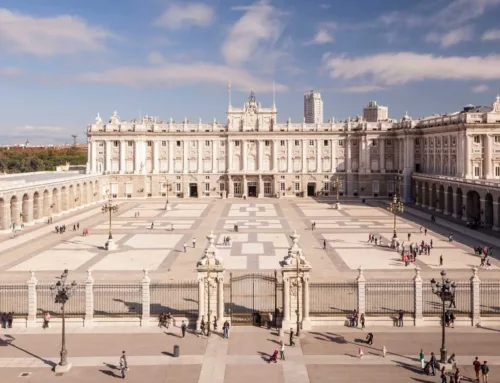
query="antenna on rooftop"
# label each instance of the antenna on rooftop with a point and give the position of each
(74, 139)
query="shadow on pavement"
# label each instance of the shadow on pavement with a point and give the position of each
(9, 343)
(110, 373)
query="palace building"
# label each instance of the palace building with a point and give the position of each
(433, 161)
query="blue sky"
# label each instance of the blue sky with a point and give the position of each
(63, 61)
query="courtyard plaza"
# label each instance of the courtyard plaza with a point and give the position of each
(150, 237)
(323, 355)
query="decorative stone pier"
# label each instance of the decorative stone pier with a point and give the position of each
(210, 285)
(295, 271)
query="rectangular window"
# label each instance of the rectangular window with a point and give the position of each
(497, 139)
(192, 144)
(236, 143)
(267, 143)
(453, 140)
(178, 144)
(296, 143)
(207, 144)
(297, 186)
(222, 144)
(341, 142)
(116, 144)
(476, 171)
(282, 143)
(164, 143)
(477, 139)
(177, 187)
(101, 144)
(282, 186)
(374, 142)
(222, 186)
(326, 186)
(325, 143)
(497, 171)
(150, 143)
(417, 141)
(207, 187)
(130, 143)
(388, 142)
(311, 142)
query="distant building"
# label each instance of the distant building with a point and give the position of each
(313, 107)
(375, 113)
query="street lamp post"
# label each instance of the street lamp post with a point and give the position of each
(336, 185)
(167, 185)
(445, 290)
(61, 292)
(395, 207)
(298, 298)
(209, 312)
(110, 208)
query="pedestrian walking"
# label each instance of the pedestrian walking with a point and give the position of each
(400, 318)
(443, 375)
(432, 364)
(431, 243)
(485, 370)
(362, 320)
(477, 367)
(441, 260)
(46, 320)
(292, 343)
(152, 225)
(4, 320)
(185, 247)
(10, 319)
(78, 226)
(324, 244)
(123, 364)
(225, 329)
(202, 327)
(194, 243)
(422, 358)
(384, 351)
(360, 352)
(282, 350)
(420, 229)
(183, 329)
(369, 338)
(425, 231)
(409, 236)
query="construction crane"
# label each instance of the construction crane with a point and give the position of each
(75, 136)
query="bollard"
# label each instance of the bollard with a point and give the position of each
(176, 351)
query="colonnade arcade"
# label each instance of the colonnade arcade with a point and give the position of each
(27, 206)
(459, 200)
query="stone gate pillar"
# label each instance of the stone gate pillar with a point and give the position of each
(296, 273)
(476, 297)
(210, 285)
(418, 285)
(32, 300)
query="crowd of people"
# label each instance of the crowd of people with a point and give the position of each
(7, 319)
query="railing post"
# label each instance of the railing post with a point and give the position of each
(475, 283)
(306, 321)
(286, 302)
(89, 299)
(361, 291)
(418, 285)
(201, 299)
(220, 297)
(32, 301)
(146, 299)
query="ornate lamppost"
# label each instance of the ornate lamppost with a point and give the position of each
(209, 312)
(110, 208)
(167, 185)
(396, 206)
(297, 311)
(61, 292)
(445, 290)
(336, 185)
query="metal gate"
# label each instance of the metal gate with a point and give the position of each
(248, 296)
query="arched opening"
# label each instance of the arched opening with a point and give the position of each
(473, 205)
(433, 196)
(4, 223)
(488, 210)
(420, 193)
(84, 194)
(71, 197)
(37, 206)
(78, 195)
(64, 199)
(26, 208)
(414, 190)
(449, 202)
(441, 198)
(46, 203)
(14, 211)
(459, 207)
(426, 194)
(55, 202)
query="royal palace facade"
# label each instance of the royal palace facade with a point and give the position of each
(252, 155)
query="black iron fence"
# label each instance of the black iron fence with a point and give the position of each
(117, 299)
(490, 298)
(332, 299)
(14, 298)
(177, 298)
(433, 306)
(388, 298)
(74, 307)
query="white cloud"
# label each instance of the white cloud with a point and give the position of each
(172, 74)
(363, 89)
(260, 24)
(452, 37)
(323, 36)
(178, 16)
(48, 36)
(155, 58)
(403, 67)
(492, 34)
(480, 89)
(9, 72)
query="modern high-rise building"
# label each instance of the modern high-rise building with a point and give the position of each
(313, 107)
(375, 113)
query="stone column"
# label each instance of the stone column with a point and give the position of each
(333, 156)
(146, 298)
(306, 322)
(382, 155)
(89, 299)
(261, 155)
(123, 148)
(5, 219)
(201, 300)
(464, 203)
(496, 224)
(275, 155)
(455, 210)
(361, 291)
(229, 156)
(215, 155)
(261, 187)
(185, 165)
(89, 157)
(289, 156)
(230, 192)
(304, 156)
(361, 156)
(368, 163)
(460, 155)
(32, 301)
(467, 164)
(28, 213)
(137, 157)
(107, 155)
(245, 186)
(487, 157)
(446, 203)
(220, 297)
(245, 155)
(319, 165)
(419, 309)
(156, 156)
(348, 143)
(200, 157)
(476, 298)
(171, 168)
(286, 302)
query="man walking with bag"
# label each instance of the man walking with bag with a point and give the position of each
(123, 364)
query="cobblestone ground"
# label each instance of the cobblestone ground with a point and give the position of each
(329, 355)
